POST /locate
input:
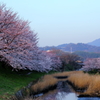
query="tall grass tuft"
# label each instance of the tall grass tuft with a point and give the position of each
(94, 87)
(44, 83)
(80, 80)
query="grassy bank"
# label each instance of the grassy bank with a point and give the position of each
(10, 82)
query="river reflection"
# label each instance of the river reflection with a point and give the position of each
(72, 96)
(66, 96)
(89, 98)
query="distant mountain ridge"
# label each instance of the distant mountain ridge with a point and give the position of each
(95, 42)
(72, 47)
(79, 47)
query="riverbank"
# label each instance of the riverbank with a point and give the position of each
(11, 82)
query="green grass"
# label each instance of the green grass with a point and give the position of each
(11, 82)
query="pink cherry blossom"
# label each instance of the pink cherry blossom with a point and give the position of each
(18, 45)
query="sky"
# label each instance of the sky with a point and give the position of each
(60, 21)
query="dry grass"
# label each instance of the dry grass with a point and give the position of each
(44, 83)
(49, 80)
(90, 82)
(80, 80)
(94, 87)
(66, 73)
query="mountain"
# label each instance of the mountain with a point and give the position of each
(71, 47)
(93, 46)
(79, 47)
(62, 45)
(95, 42)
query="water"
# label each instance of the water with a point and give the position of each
(89, 98)
(72, 96)
(66, 96)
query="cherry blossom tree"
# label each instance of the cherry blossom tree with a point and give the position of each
(91, 64)
(55, 60)
(48, 61)
(18, 44)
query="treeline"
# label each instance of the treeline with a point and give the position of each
(86, 55)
